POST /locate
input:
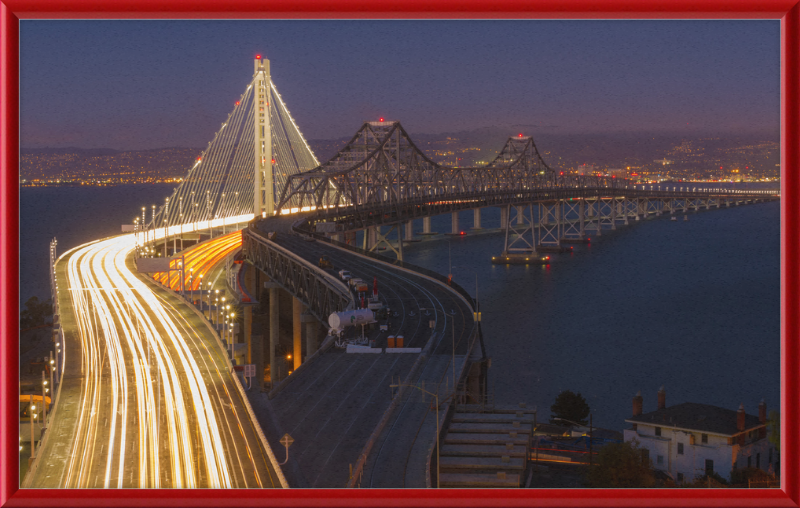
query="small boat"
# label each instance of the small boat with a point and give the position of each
(674, 218)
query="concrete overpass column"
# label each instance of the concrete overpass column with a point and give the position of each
(454, 223)
(258, 360)
(297, 333)
(409, 229)
(504, 213)
(311, 334)
(249, 284)
(274, 316)
(426, 226)
(476, 222)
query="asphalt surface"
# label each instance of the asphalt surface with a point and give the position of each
(333, 407)
(174, 420)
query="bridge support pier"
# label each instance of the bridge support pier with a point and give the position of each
(409, 230)
(582, 218)
(521, 215)
(613, 213)
(476, 219)
(297, 333)
(274, 338)
(311, 333)
(249, 284)
(505, 211)
(454, 223)
(426, 226)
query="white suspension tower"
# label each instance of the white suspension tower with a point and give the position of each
(264, 189)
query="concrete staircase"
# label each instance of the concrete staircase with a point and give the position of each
(488, 449)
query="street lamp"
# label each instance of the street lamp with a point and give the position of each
(438, 466)
(591, 459)
(209, 301)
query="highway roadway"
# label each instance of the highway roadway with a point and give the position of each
(332, 408)
(150, 403)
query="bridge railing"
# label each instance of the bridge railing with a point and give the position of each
(305, 229)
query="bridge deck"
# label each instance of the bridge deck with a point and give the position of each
(333, 407)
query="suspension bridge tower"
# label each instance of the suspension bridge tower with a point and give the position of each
(263, 185)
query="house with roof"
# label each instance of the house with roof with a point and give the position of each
(688, 440)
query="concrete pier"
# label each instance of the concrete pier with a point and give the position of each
(476, 219)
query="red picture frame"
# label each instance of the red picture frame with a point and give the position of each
(788, 11)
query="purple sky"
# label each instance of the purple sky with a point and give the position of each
(153, 84)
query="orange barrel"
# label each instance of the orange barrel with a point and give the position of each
(400, 341)
(390, 341)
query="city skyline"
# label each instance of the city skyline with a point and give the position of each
(173, 83)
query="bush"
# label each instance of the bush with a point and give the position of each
(621, 465)
(742, 476)
(36, 313)
(712, 480)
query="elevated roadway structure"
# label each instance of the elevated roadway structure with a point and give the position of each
(147, 399)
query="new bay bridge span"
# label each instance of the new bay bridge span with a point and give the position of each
(247, 334)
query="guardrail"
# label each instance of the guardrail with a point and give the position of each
(378, 257)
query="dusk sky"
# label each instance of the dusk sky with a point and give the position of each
(154, 84)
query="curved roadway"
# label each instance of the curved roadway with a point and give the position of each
(147, 398)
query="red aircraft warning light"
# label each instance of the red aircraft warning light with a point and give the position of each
(258, 56)
(520, 134)
(381, 119)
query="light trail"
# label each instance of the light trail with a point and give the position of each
(154, 409)
(199, 260)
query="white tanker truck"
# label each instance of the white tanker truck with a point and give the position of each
(339, 320)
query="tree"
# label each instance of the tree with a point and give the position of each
(569, 406)
(621, 465)
(36, 313)
(774, 429)
(712, 480)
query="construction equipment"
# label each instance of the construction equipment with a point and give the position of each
(325, 263)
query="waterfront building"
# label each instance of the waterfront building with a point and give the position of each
(688, 440)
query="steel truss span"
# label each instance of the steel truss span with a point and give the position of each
(157, 407)
(322, 293)
(382, 177)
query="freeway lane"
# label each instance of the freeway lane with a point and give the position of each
(157, 407)
(332, 408)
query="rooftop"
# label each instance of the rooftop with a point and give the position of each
(698, 417)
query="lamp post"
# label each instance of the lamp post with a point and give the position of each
(45, 389)
(591, 459)
(153, 222)
(180, 210)
(209, 302)
(208, 213)
(191, 284)
(438, 466)
(32, 415)
(223, 213)
(166, 213)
